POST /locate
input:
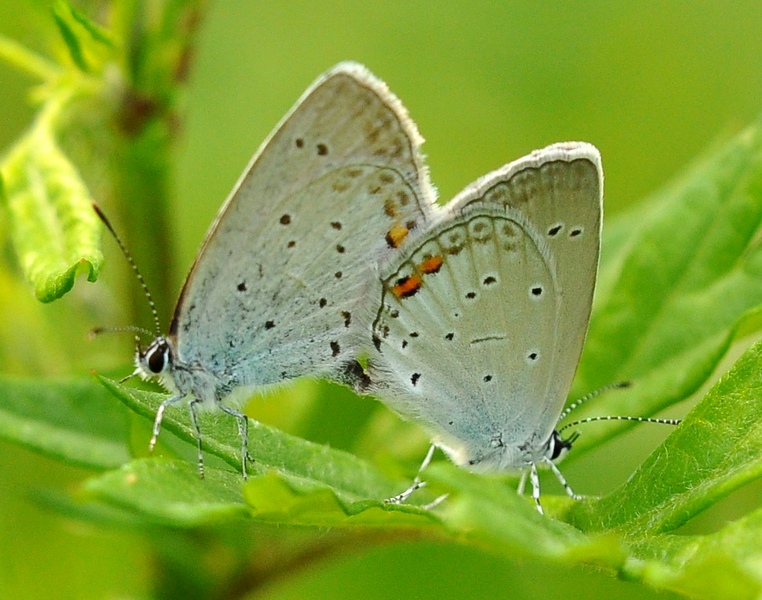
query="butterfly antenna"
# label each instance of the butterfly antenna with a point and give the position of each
(636, 419)
(594, 394)
(134, 266)
(96, 331)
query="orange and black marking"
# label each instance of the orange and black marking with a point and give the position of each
(407, 286)
(396, 235)
(431, 265)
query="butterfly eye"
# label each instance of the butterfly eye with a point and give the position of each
(560, 447)
(156, 357)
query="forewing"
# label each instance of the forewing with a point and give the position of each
(275, 290)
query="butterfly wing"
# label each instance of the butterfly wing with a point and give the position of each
(275, 289)
(482, 322)
(559, 191)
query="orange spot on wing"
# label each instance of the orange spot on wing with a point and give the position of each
(396, 235)
(407, 286)
(431, 265)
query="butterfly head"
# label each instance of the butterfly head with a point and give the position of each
(556, 447)
(157, 361)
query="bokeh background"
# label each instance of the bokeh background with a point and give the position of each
(651, 84)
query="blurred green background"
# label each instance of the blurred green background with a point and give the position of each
(651, 84)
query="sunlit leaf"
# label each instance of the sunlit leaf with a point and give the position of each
(679, 276)
(54, 229)
(717, 449)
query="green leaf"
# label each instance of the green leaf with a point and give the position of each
(290, 481)
(721, 565)
(717, 449)
(280, 497)
(270, 448)
(54, 229)
(678, 275)
(170, 492)
(487, 511)
(24, 59)
(74, 420)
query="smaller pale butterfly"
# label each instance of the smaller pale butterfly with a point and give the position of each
(481, 321)
(280, 286)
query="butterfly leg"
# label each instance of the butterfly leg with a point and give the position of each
(535, 479)
(243, 431)
(193, 408)
(562, 480)
(417, 483)
(159, 417)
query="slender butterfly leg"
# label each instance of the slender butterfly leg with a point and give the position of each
(417, 482)
(535, 479)
(193, 408)
(159, 417)
(562, 479)
(243, 431)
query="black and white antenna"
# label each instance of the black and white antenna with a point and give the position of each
(621, 385)
(138, 274)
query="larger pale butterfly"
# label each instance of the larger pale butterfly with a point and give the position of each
(278, 288)
(481, 320)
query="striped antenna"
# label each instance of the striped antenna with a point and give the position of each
(614, 386)
(142, 281)
(594, 394)
(96, 331)
(636, 419)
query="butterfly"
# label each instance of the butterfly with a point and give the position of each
(279, 287)
(481, 320)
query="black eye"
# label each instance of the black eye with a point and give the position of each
(559, 447)
(157, 357)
